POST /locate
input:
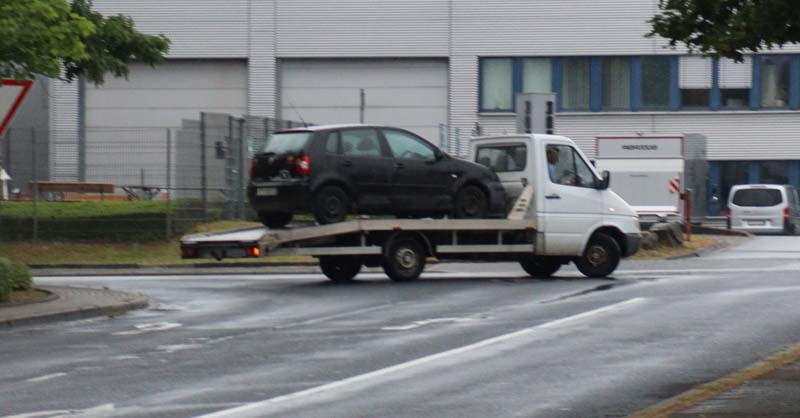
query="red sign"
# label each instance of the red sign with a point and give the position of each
(12, 93)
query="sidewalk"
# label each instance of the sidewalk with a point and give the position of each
(67, 303)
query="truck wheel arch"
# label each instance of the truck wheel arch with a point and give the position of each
(611, 231)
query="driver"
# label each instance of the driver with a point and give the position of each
(553, 158)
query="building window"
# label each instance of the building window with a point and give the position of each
(616, 91)
(775, 72)
(575, 84)
(496, 84)
(537, 75)
(655, 82)
(734, 83)
(731, 174)
(774, 172)
(695, 82)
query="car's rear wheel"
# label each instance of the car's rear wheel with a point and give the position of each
(540, 267)
(601, 256)
(330, 205)
(274, 219)
(471, 202)
(340, 269)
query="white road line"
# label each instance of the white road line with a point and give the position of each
(256, 406)
(45, 377)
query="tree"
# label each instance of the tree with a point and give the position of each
(55, 38)
(728, 28)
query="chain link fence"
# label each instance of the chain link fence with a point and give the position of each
(128, 184)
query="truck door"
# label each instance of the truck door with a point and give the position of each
(572, 205)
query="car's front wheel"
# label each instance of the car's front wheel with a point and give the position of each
(471, 202)
(330, 205)
(274, 219)
(601, 256)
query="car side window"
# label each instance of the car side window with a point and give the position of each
(361, 143)
(565, 166)
(332, 143)
(407, 146)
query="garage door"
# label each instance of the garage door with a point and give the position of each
(411, 94)
(127, 120)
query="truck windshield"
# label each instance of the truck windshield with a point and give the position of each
(286, 143)
(757, 197)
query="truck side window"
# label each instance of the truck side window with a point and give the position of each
(502, 158)
(565, 166)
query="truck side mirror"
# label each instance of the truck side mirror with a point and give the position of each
(603, 184)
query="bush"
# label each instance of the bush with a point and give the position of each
(13, 276)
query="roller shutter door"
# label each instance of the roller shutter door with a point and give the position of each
(407, 93)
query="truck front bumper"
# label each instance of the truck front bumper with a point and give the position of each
(632, 243)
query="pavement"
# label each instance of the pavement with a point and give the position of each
(769, 388)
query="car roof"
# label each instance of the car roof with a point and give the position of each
(318, 128)
(760, 186)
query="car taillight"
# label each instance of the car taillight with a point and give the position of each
(302, 165)
(252, 167)
(785, 214)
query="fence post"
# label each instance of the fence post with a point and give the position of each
(241, 178)
(34, 176)
(168, 232)
(203, 179)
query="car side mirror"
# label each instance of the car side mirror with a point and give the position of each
(440, 155)
(603, 184)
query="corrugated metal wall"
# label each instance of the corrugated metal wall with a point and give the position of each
(64, 130)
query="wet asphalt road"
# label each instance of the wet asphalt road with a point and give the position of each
(467, 340)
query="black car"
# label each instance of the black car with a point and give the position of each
(332, 171)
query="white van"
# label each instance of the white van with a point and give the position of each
(763, 208)
(571, 199)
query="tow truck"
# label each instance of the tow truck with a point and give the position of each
(549, 224)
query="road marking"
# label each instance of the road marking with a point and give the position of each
(142, 328)
(256, 406)
(45, 377)
(417, 324)
(724, 384)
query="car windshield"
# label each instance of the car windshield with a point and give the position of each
(757, 197)
(287, 142)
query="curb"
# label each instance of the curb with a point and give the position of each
(69, 314)
(707, 391)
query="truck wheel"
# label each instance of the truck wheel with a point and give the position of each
(274, 219)
(340, 269)
(471, 202)
(601, 256)
(540, 266)
(330, 205)
(404, 259)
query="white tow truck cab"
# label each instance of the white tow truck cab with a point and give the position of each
(561, 211)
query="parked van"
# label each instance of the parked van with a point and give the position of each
(763, 208)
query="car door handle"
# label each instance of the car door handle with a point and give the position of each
(552, 196)
(347, 163)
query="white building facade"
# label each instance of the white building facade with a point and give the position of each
(447, 65)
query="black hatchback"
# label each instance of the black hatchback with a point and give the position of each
(335, 170)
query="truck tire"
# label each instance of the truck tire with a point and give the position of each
(330, 204)
(541, 267)
(340, 269)
(601, 256)
(471, 202)
(274, 219)
(404, 259)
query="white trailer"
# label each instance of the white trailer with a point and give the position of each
(549, 225)
(651, 171)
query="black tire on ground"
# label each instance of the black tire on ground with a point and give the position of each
(404, 259)
(471, 202)
(540, 267)
(274, 219)
(330, 204)
(601, 256)
(340, 269)
(788, 228)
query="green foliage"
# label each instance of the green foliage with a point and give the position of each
(99, 221)
(13, 276)
(728, 28)
(39, 37)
